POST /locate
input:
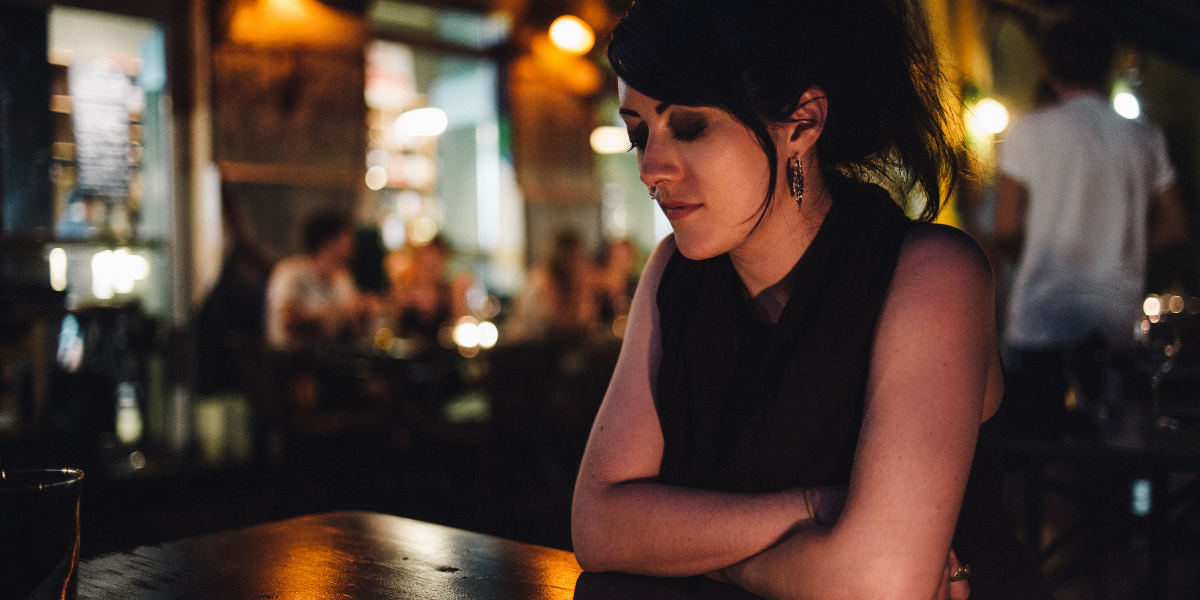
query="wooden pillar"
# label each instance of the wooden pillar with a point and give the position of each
(26, 194)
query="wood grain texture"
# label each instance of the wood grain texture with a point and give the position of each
(334, 555)
(366, 555)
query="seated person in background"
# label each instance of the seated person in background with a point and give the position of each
(311, 297)
(560, 298)
(616, 280)
(421, 297)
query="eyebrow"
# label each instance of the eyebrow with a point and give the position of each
(660, 109)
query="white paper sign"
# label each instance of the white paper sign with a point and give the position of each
(100, 95)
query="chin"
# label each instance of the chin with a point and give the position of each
(695, 246)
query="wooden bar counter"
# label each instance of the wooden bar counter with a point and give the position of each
(365, 555)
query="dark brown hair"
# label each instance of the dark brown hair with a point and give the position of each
(1078, 51)
(322, 227)
(887, 117)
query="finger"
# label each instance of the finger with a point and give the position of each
(943, 591)
(960, 590)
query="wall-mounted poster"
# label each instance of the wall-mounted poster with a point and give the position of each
(297, 107)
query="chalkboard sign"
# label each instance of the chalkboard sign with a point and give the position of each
(100, 94)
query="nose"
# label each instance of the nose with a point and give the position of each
(660, 162)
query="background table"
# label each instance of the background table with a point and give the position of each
(1093, 480)
(365, 555)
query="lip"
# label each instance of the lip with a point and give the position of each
(678, 210)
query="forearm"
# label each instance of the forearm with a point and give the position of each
(1168, 221)
(654, 529)
(819, 564)
(1008, 222)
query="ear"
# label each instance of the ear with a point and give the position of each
(806, 124)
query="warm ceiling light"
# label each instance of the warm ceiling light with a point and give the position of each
(571, 35)
(607, 139)
(421, 122)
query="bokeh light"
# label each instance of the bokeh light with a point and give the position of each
(58, 269)
(607, 139)
(466, 332)
(1152, 306)
(427, 122)
(1127, 105)
(571, 35)
(423, 230)
(488, 334)
(377, 177)
(989, 117)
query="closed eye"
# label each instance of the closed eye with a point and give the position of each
(687, 126)
(638, 136)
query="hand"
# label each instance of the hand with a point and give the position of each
(827, 503)
(956, 590)
(720, 575)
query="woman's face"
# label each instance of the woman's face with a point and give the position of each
(709, 170)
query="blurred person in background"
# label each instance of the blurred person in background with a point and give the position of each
(1084, 195)
(232, 318)
(421, 297)
(616, 279)
(560, 299)
(311, 297)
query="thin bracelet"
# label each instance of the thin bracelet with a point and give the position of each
(808, 503)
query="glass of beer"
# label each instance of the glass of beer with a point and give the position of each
(39, 534)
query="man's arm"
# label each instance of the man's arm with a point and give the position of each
(1009, 221)
(1168, 221)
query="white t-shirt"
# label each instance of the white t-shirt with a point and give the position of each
(295, 280)
(1090, 175)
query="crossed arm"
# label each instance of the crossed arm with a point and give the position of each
(621, 519)
(933, 364)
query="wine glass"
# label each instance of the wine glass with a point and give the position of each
(1156, 344)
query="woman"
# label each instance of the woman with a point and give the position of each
(422, 298)
(798, 341)
(560, 301)
(615, 280)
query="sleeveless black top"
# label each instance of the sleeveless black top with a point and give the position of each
(752, 407)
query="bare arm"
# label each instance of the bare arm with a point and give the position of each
(1168, 221)
(622, 520)
(1009, 219)
(932, 366)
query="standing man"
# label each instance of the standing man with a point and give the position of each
(1086, 195)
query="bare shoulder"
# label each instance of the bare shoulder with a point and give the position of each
(939, 257)
(659, 257)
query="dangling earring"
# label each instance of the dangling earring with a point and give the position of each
(796, 174)
(654, 193)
